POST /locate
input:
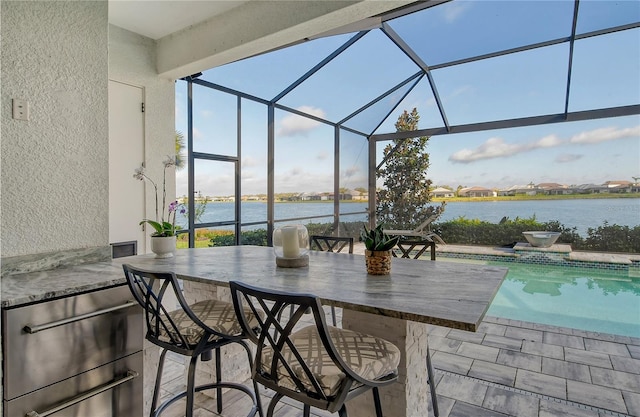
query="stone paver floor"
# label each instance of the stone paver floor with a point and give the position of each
(513, 368)
(507, 368)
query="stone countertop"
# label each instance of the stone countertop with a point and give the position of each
(441, 293)
(38, 286)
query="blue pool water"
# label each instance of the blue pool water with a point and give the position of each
(586, 299)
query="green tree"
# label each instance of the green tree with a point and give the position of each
(402, 202)
(180, 156)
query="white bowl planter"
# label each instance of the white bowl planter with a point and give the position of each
(163, 246)
(541, 239)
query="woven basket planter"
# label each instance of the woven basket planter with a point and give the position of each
(378, 262)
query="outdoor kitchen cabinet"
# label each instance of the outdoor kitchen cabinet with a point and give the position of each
(74, 356)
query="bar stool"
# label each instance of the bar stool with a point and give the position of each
(192, 330)
(321, 366)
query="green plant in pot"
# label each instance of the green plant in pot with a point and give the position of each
(378, 253)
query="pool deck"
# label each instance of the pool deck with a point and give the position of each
(514, 368)
(506, 252)
(508, 368)
(520, 248)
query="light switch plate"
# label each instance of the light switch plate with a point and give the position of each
(20, 109)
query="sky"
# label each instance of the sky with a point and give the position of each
(605, 73)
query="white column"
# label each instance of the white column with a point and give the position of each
(408, 397)
(235, 364)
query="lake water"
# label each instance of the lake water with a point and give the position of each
(581, 214)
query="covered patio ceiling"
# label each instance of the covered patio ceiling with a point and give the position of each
(466, 65)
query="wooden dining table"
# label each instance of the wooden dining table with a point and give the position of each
(397, 307)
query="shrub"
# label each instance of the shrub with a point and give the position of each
(613, 238)
(606, 238)
(463, 231)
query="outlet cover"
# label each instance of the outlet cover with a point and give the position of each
(20, 109)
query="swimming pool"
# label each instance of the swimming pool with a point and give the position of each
(579, 298)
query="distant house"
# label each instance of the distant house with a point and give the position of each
(360, 196)
(442, 192)
(518, 189)
(476, 192)
(619, 186)
(553, 188)
(590, 189)
(346, 195)
(309, 197)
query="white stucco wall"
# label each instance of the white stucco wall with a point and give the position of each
(132, 60)
(54, 166)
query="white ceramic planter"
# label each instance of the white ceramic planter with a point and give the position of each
(163, 247)
(541, 239)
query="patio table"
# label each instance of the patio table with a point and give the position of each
(396, 307)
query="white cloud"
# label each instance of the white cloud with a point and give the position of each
(605, 134)
(454, 10)
(350, 172)
(498, 148)
(249, 161)
(206, 113)
(492, 148)
(197, 134)
(567, 157)
(293, 124)
(299, 180)
(463, 89)
(547, 142)
(322, 156)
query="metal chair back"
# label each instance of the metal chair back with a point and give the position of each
(152, 289)
(280, 358)
(331, 243)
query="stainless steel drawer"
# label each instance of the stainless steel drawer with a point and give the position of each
(117, 392)
(47, 342)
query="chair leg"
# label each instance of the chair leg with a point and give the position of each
(333, 316)
(272, 404)
(342, 412)
(218, 379)
(376, 401)
(156, 389)
(255, 384)
(191, 378)
(432, 385)
(306, 411)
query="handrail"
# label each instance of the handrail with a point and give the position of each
(75, 400)
(31, 328)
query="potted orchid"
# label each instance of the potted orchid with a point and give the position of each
(163, 239)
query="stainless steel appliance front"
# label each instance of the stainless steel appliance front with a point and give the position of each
(63, 339)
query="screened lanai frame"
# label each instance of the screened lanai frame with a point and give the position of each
(425, 73)
(194, 156)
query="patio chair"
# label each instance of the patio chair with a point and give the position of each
(322, 366)
(407, 248)
(331, 244)
(423, 231)
(192, 331)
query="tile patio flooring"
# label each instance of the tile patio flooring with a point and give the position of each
(507, 368)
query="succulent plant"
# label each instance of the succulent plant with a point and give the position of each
(376, 239)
